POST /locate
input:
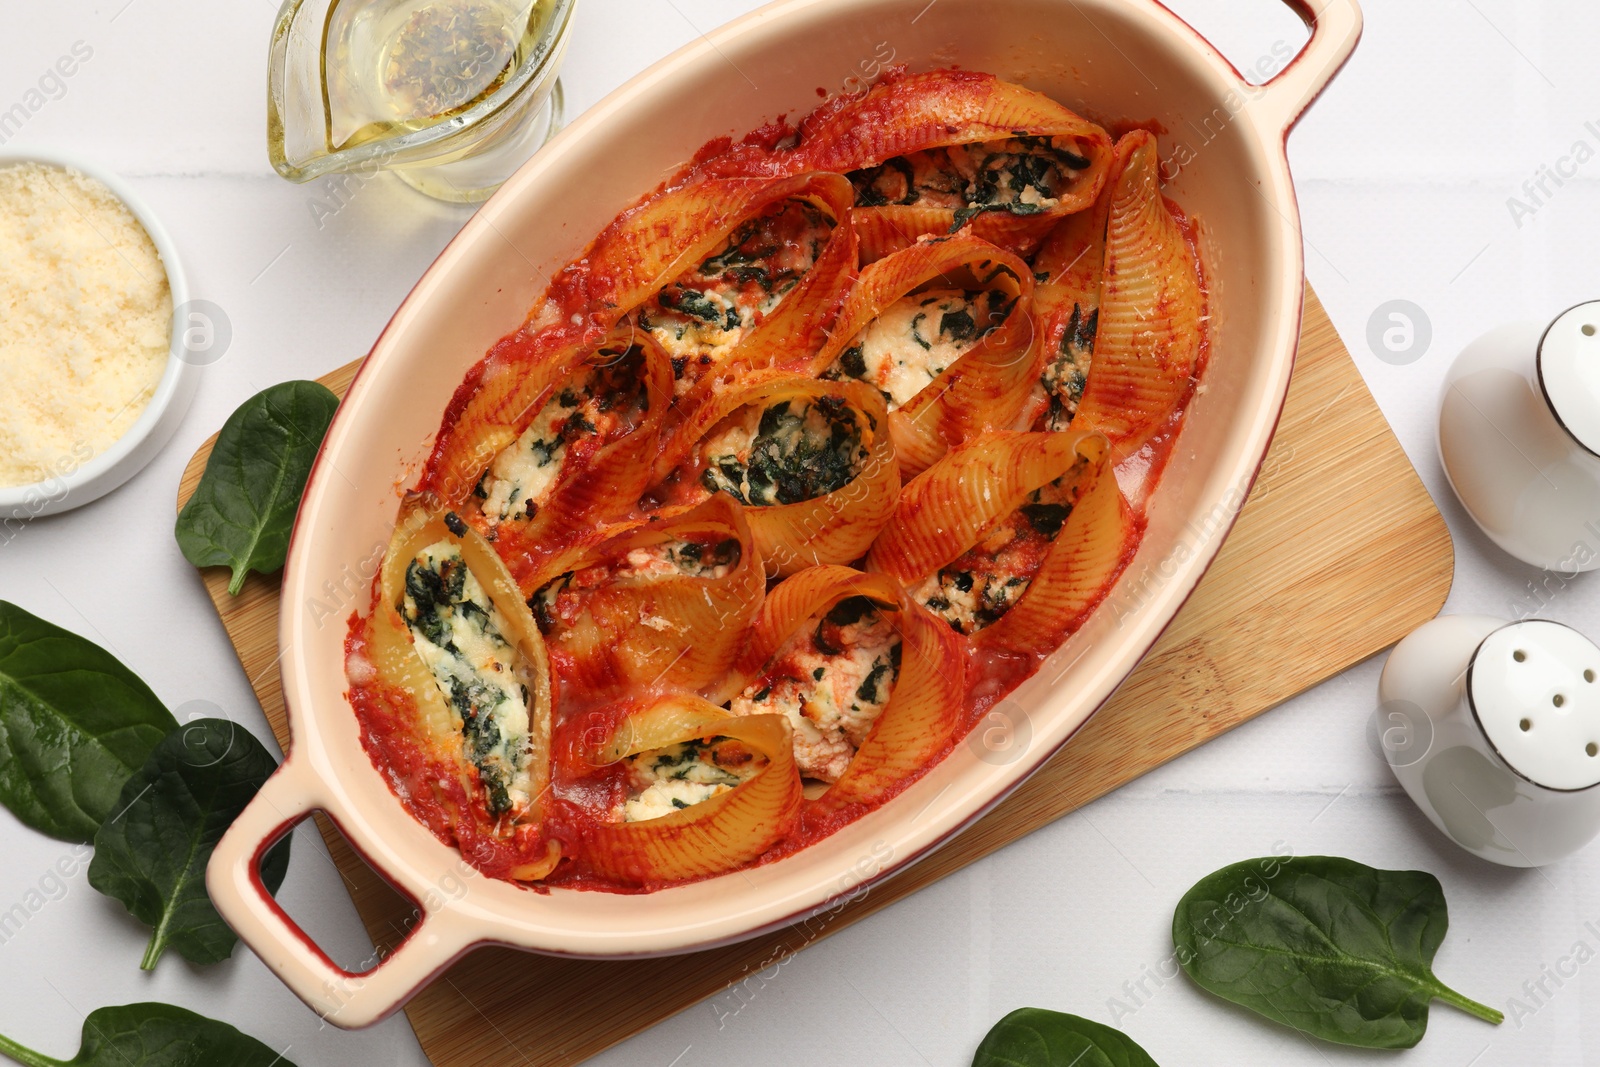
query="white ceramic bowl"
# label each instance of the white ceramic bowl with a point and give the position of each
(1112, 59)
(138, 446)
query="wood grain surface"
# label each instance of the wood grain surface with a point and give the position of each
(1339, 552)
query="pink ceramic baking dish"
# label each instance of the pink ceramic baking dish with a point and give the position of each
(1111, 60)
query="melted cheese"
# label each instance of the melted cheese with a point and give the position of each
(970, 601)
(977, 589)
(1025, 175)
(832, 681)
(700, 325)
(915, 340)
(703, 314)
(1064, 378)
(460, 636)
(523, 475)
(679, 776)
(692, 558)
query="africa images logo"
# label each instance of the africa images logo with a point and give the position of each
(1537, 190)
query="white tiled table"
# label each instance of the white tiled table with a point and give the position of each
(1404, 170)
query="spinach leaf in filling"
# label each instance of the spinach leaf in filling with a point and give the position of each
(800, 450)
(446, 609)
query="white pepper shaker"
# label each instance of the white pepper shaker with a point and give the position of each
(1493, 728)
(1519, 434)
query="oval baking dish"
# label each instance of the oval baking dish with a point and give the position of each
(1107, 59)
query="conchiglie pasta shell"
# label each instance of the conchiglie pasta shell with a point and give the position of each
(496, 403)
(673, 631)
(600, 480)
(933, 110)
(924, 710)
(787, 607)
(394, 655)
(1073, 254)
(1023, 234)
(1076, 573)
(944, 510)
(787, 340)
(642, 250)
(836, 527)
(1152, 308)
(793, 331)
(645, 726)
(647, 247)
(987, 386)
(925, 705)
(1059, 317)
(720, 834)
(885, 230)
(1072, 259)
(536, 869)
(1053, 307)
(889, 228)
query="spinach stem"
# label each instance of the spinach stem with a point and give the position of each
(157, 945)
(1471, 1007)
(26, 1055)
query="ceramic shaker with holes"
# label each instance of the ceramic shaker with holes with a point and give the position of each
(1493, 728)
(1519, 433)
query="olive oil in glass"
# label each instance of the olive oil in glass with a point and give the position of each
(450, 94)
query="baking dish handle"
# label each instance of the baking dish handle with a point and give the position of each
(1335, 27)
(347, 999)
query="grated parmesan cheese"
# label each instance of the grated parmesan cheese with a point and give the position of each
(85, 320)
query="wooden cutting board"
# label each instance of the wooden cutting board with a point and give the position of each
(1339, 553)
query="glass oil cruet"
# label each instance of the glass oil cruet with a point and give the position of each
(451, 95)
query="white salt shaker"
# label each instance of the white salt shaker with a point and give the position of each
(1519, 433)
(1493, 728)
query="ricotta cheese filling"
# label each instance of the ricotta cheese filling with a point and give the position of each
(975, 590)
(607, 398)
(917, 338)
(560, 602)
(1022, 175)
(699, 317)
(695, 559)
(784, 453)
(1067, 374)
(680, 776)
(460, 636)
(832, 680)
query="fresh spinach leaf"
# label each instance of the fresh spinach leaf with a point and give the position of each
(1033, 1037)
(74, 724)
(243, 509)
(152, 854)
(154, 1035)
(1328, 946)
